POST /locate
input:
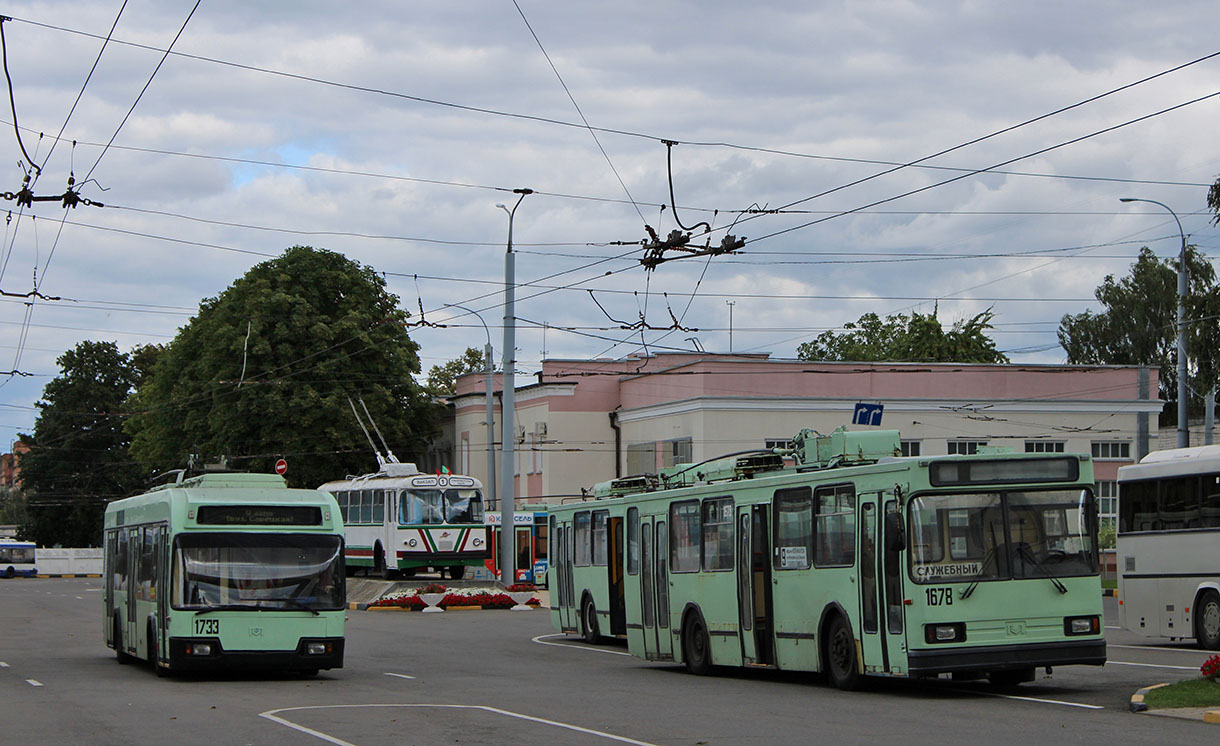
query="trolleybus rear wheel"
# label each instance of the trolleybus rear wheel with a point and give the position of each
(588, 618)
(10, 572)
(1207, 621)
(841, 656)
(696, 651)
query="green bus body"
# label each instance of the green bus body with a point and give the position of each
(974, 565)
(225, 570)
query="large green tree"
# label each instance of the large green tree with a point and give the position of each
(902, 338)
(266, 368)
(78, 457)
(442, 379)
(1213, 201)
(1139, 323)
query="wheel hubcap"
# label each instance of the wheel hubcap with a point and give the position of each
(1211, 620)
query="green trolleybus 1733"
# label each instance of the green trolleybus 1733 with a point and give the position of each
(847, 559)
(225, 570)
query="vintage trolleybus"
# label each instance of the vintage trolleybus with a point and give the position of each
(225, 570)
(401, 521)
(851, 561)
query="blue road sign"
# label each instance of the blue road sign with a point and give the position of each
(867, 414)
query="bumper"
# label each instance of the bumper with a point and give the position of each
(219, 659)
(1007, 657)
(441, 559)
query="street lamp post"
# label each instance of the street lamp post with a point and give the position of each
(508, 437)
(1183, 426)
(489, 370)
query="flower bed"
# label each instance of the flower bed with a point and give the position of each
(481, 597)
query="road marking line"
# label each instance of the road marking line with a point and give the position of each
(271, 715)
(32, 682)
(400, 675)
(540, 641)
(1154, 647)
(80, 598)
(1152, 665)
(1033, 699)
(3, 664)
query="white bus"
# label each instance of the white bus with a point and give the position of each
(1169, 545)
(17, 558)
(401, 521)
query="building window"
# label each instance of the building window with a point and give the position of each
(1045, 446)
(773, 443)
(965, 447)
(677, 452)
(641, 458)
(464, 467)
(1107, 502)
(909, 447)
(1112, 449)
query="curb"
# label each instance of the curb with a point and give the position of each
(69, 575)
(1137, 700)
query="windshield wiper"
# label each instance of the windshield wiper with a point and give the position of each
(974, 582)
(229, 607)
(299, 605)
(1024, 550)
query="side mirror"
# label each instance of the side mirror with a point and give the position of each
(895, 533)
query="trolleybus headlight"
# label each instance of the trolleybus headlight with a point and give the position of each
(317, 648)
(411, 542)
(941, 633)
(1082, 625)
(199, 648)
(477, 542)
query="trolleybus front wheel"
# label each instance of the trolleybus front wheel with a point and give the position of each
(457, 571)
(1207, 621)
(841, 656)
(696, 651)
(117, 635)
(588, 618)
(10, 572)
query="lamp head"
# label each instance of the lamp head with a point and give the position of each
(1127, 199)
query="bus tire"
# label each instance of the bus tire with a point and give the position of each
(381, 564)
(839, 653)
(1207, 621)
(696, 647)
(152, 652)
(117, 635)
(456, 572)
(408, 572)
(10, 572)
(588, 622)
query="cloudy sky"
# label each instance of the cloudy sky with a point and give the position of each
(389, 131)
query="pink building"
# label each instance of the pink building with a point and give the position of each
(589, 421)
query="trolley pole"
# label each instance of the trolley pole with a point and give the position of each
(508, 435)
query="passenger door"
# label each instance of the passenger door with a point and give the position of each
(872, 638)
(754, 584)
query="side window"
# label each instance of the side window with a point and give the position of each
(378, 506)
(633, 541)
(120, 562)
(718, 534)
(684, 536)
(581, 524)
(793, 519)
(148, 564)
(366, 506)
(600, 518)
(836, 526)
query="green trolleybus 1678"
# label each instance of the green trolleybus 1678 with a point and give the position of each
(225, 570)
(843, 557)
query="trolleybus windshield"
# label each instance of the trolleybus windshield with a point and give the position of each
(441, 506)
(1001, 535)
(258, 571)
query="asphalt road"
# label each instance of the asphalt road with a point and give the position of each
(500, 677)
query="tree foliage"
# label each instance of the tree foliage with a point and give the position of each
(78, 457)
(1139, 323)
(265, 370)
(442, 379)
(1213, 202)
(902, 338)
